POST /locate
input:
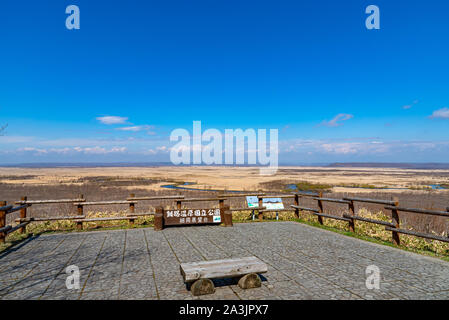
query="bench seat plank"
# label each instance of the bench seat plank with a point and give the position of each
(224, 268)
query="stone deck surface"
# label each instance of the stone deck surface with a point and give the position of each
(303, 263)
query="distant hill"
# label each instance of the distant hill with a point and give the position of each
(162, 164)
(390, 165)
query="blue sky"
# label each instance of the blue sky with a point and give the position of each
(335, 90)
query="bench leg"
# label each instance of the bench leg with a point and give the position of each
(249, 281)
(202, 286)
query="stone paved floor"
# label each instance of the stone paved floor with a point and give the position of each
(303, 263)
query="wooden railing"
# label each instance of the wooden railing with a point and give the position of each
(23, 221)
(392, 205)
(350, 217)
(5, 210)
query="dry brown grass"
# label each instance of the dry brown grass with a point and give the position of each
(238, 178)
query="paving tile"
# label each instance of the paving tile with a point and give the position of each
(304, 263)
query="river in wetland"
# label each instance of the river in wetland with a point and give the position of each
(292, 187)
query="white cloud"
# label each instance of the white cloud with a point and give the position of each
(189, 148)
(35, 150)
(442, 113)
(101, 150)
(408, 106)
(60, 150)
(67, 150)
(136, 128)
(157, 150)
(360, 146)
(336, 121)
(112, 120)
(118, 149)
(340, 148)
(82, 142)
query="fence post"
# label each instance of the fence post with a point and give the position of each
(227, 216)
(395, 220)
(296, 204)
(222, 209)
(23, 215)
(79, 225)
(260, 214)
(447, 209)
(352, 213)
(131, 209)
(2, 222)
(320, 207)
(159, 218)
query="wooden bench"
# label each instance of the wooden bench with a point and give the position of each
(201, 273)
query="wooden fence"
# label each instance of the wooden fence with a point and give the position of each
(392, 205)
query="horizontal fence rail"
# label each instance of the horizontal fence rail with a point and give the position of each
(377, 201)
(49, 201)
(418, 234)
(275, 210)
(200, 199)
(6, 208)
(97, 203)
(304, 208)
(18, 208)
(48, 219)
(350, 217)
(385, 223)
(155, 198)
(422, 211)
(247, 208)
(307, 194)
(332, 200)
(237, 195)
(330, 216)
(283, 196)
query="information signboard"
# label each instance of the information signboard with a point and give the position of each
(252, 201)
(191, 216)
(273, 203)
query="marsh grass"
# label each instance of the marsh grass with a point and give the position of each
(309, 186)
(359, 185)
